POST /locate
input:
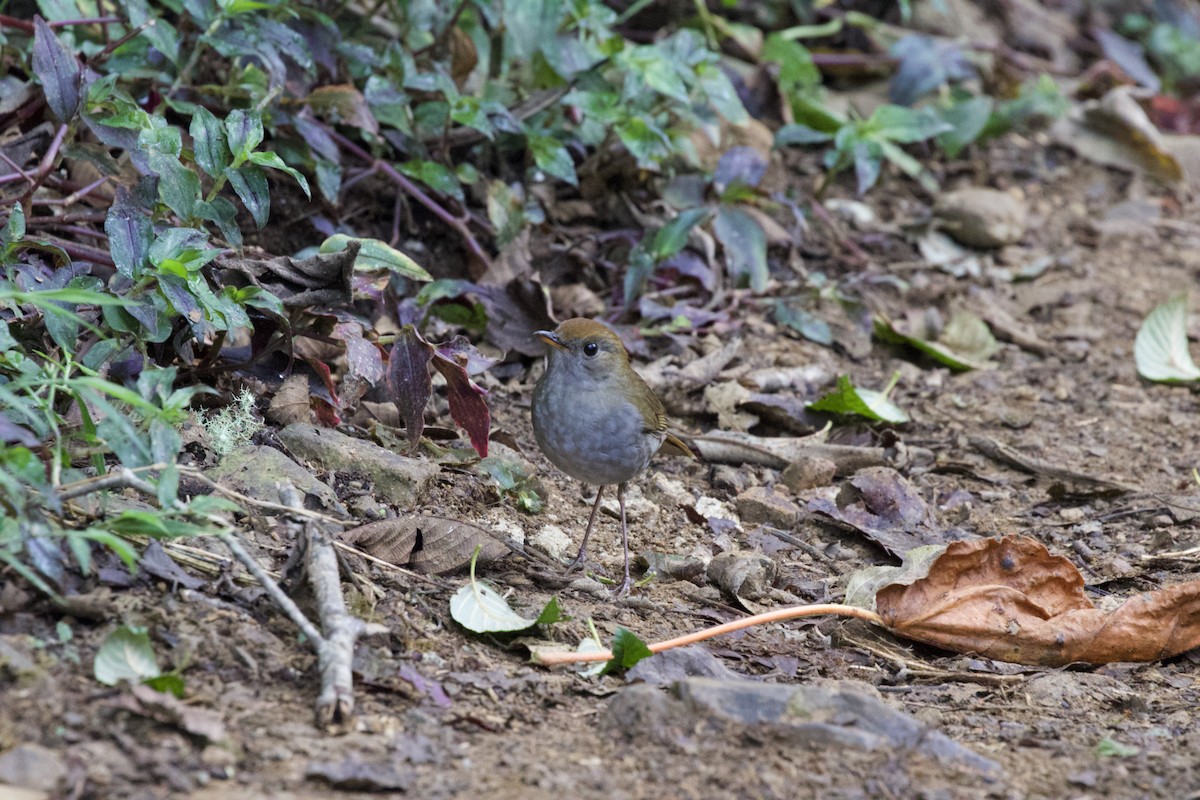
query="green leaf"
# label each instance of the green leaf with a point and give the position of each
(745, 246)
(627, 650)
(66, 295)
(670, 238)
(551, 613)
(14, 231)
(244, 132)
(129, 235)
(644, 140)
(848, 399)
(967, 119)
(721, 94)
(905, 125)
(506, 210)
(170, 683)
(965, 343)
(208, 142)
(1108, 748)
(658, 72)
(58, 70)
(374, 254)
(1161, 347)
(804, 322)
(224, 214)
(796, 68)
(126, 654)
(269, 159)
(178, 186)
(552, 158)
(796, 134)
(435, 176)
(481, 609)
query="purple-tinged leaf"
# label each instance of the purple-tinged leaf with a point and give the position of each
(408, 380)
(426, 686)
(244, 131)
(745, 246)
(58, 70)
(467, 406)
(364, 362)
(129, 234)
(208, 142)
(12, 433)
(461, 351)
(739, 165)
(362, 357)
(251, 186)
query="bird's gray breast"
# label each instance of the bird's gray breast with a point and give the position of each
(589, 434)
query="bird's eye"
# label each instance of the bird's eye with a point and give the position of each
(590, 349)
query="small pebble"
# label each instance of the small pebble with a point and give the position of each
(1071, 514)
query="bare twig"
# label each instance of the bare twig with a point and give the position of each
(335, 650)
(27, 26)
(414, 191)
(74, 197)
(47, 162)
(998, 451)
(778, 615)
(125, 478)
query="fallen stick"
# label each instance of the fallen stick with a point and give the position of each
(778, 615)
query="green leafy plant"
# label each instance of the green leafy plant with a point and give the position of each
(864, 144)
(848, 399)
(512, 479)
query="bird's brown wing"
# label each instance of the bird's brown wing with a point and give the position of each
(659, 424)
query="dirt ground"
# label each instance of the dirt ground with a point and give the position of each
(443, 713)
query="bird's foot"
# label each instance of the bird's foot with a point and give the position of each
(582, 563)
(623, 589)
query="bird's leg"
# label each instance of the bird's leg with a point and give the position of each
(623, 589)
(581, 556)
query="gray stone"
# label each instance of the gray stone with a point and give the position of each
(842, 714)
(981, 217)
(397, 478)
(33, 767)
(675, 665)
(257, 472)
(759, 504)
(808, 472)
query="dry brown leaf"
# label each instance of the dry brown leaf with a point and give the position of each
(429, 545)
(290, 403)
(1011, 600)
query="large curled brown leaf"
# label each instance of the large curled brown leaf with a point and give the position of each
(1011, 600)
(426, 544)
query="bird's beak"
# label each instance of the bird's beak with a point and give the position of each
(550, 338)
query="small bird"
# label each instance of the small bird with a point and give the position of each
(595, 418)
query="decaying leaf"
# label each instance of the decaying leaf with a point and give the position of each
(429, 545)
(1115, 131)
(290, 403)
(743, 577)
(1011, 600)
(322, 280)
(885, 507)
(202, 723)
(964, 343)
